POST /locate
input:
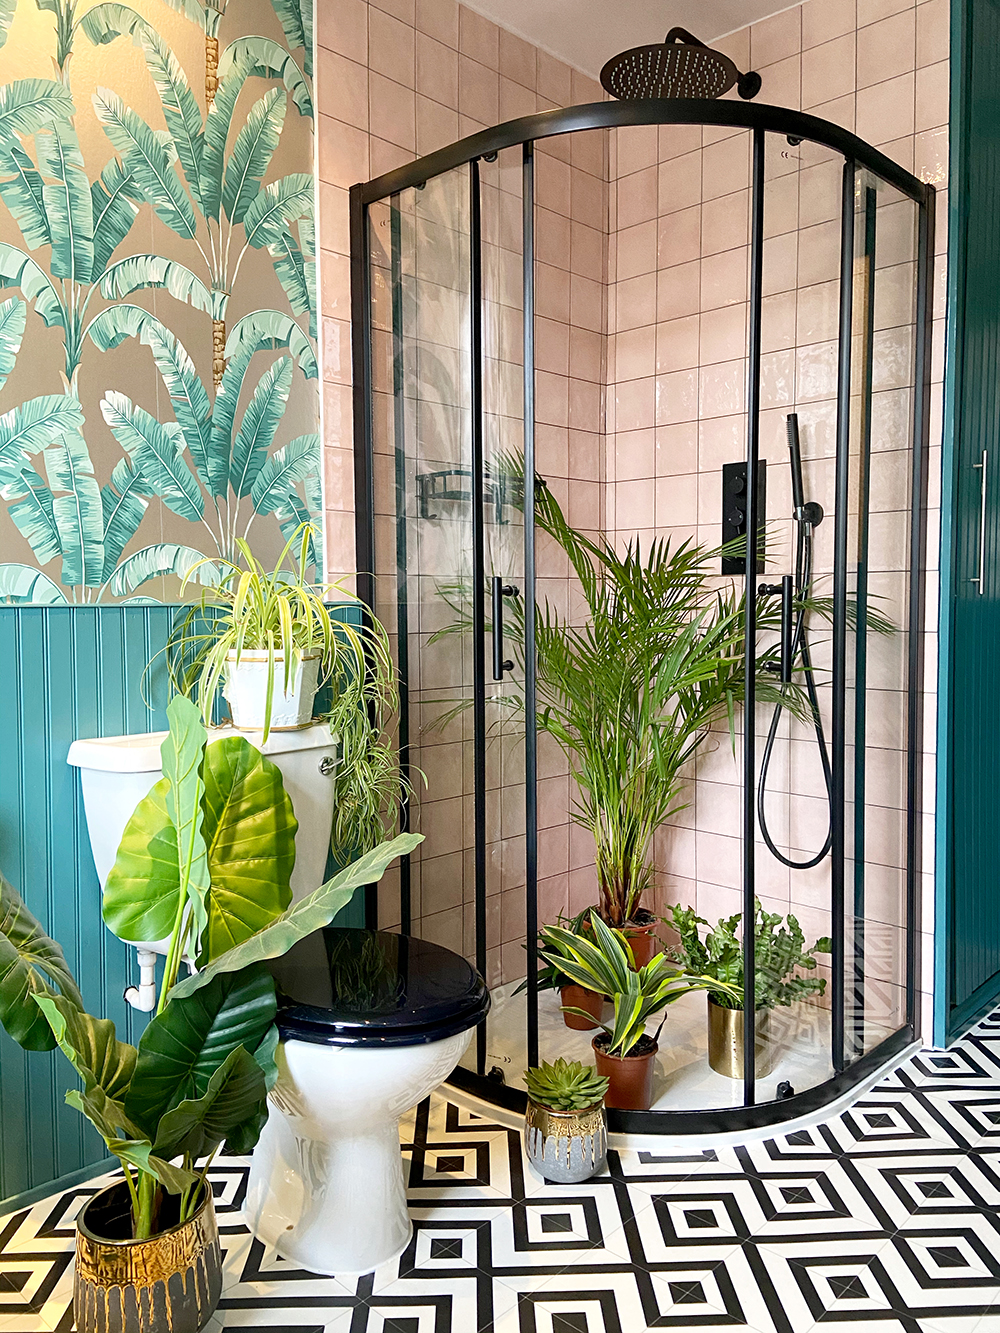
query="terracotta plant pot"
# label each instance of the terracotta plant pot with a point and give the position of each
(643, 943)
(567, 1147)
(631, 1076)
(578, 997)
(170, 1283)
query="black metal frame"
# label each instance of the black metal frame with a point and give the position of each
(760, 120)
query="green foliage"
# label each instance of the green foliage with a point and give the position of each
(780, 955)
(549, 975)
(604, 963)
(200, 1074)
(566, 1085)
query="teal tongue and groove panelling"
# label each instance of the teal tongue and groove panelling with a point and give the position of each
(65, 671)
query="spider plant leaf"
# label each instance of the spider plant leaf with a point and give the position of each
(182, 1047)
(295, 461)
(149, 157)
(310, 913)
(68, 203)
(19, 270)
(78, 511)
(157, 449)
(30, 965)
(114, 209)
(160, 560)
(24, 585)
(22, 193)
(252, 152)
(28, 105)
(276, 205)
(33, 514)
(266, 59)
(269, 330)
(260, 422)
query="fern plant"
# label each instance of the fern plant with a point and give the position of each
(565, 1085)
(780, 956)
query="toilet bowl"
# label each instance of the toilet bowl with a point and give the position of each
(370, 1024)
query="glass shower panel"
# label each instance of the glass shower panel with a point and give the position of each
(420, 243)
(882, 408)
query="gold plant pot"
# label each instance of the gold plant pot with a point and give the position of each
(567, 1147)
(725, 1041)
(170, 1283)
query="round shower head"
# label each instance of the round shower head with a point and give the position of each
(679, 67)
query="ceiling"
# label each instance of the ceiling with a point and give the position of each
(586, 33)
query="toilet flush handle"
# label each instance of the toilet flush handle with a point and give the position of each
(328, 766)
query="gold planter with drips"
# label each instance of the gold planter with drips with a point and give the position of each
(725, 1041)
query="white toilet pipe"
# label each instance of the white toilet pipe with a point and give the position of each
(143, 996)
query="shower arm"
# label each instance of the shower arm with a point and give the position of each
(688, 39)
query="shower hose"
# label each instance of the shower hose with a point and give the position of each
(807, 518)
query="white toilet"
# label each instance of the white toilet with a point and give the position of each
(370, 1024)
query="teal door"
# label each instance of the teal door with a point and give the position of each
(967, 931)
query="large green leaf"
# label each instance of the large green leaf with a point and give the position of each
(159, 560)
(19, 270)
(141, 272)
(180, 755)
(31, 426)
(123, 503)
(26, 105)
(267, 330)
(68, 202)
(21, 191)
(113, 202)
(30, 964)
(149, 156)
(267, 59)
(227, 398)
(249, 829)
(277, 204)
(32, 510)
(8, 8)
(235, 1093)
(180, 110)
(252, 153)
(78, 513)
(157, 449)
(296, 19)
(298, 459)
(183, 1046)
(260, 422)
(13, 314)
(291, 513)
(91, 1045)
(24, 585)
(218, 124)
(311, 913)
(139, 1153)
(297, 275)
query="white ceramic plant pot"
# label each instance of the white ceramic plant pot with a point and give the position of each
(246, 690)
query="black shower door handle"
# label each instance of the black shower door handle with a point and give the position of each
(500, 591)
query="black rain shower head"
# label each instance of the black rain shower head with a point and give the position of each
(680, 67)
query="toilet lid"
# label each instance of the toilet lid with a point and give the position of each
(346, 987)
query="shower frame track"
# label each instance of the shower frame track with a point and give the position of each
(759, 119)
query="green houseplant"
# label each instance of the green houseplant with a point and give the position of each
(780, 958)
(623, 1051)
(565, 1128)
(205, 861)
(575, 1000)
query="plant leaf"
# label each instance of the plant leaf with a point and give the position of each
(298, 459)
(26, 105)
(266, 59)
(91, 1046)
(268, 330)
(22, 193)
(30, 964)
(181, 755)
(218, 124)
(114, 210)
(180, 110)
(8, 8)
(297, 276)
(183, 1046)
(277, 204)
(252, 153)
(139, 1152)
(32, 425)
(32, 512)
(19, 270)
(157, 449)
(149, 158)
(68, 202)
(78, 514)
(123, 503)
(296, 19)
(196, 1126)
(13, 314)
(260, 422)
(311, 913)
(24, 585)
(142, 272)
(159, 560)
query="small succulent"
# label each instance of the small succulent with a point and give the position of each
(567, 1085)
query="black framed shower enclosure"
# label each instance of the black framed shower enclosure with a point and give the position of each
(444, 265)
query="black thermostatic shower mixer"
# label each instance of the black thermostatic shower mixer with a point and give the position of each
(734, 512)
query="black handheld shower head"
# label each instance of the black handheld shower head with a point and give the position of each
(811, 513)
(681, 66)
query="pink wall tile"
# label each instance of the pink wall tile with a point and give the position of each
(517, 59)
(344, 28)
(343, 153)
(776, 38)
(391, 47)
(437, 18)
(437, 70)
(887, 49)
(342, 88)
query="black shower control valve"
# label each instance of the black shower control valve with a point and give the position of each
(734, 513)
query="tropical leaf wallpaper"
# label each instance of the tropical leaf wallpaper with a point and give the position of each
(158, 372)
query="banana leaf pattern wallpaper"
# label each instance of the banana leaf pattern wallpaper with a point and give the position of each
(158, 371)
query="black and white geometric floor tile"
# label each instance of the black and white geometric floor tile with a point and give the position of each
(885, 1219)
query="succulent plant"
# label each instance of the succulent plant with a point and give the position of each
(566, 1085)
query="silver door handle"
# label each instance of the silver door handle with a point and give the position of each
(981, 580)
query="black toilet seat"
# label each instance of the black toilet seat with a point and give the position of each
(347, 987)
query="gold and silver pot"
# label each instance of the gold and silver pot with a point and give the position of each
(725, 1041)
(566, 1147)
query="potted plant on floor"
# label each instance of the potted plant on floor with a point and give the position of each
(565, 1128)
(780, 958)
(624, 1052)
(205, 859)
(581, 1008)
